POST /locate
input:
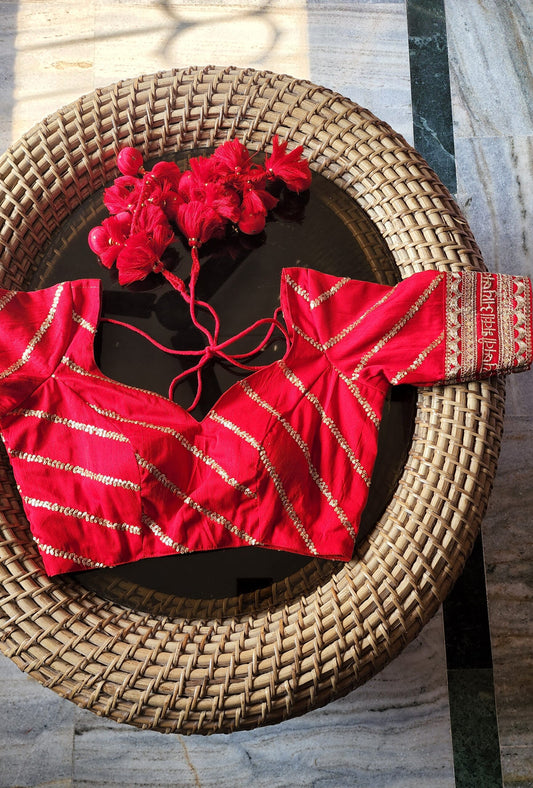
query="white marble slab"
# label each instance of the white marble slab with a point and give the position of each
(508, 545)
(490, 53)
(36, 733)
(391, 733)
(361, 50)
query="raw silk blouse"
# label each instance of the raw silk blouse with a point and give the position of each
(110, 474)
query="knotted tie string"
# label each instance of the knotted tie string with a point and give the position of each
(214, 349)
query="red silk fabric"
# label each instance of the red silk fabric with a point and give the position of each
(110, 474)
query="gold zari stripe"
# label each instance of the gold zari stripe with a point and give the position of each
(78, 559)
(418, 360)
(37, 337)
(90, 429)
(314, 302)
(278, 484)
(398, 326)
(162, 536)
(77, 470)
(330, 424)
(298, 439)
(213, 464)
(70, 511)
(175, 490)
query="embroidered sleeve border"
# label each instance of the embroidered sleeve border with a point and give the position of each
(488, 322)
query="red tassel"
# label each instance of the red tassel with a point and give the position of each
(288, 167)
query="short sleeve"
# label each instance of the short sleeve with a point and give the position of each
(432, 327)
(34, 329)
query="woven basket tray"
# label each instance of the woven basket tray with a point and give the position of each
(204, 666)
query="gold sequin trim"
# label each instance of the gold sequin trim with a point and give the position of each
(37, 337)
(162, 536)
(90, 429)
(418, 360)
(327, 421)
(314, 302)
(4, 301)
(298, 439)
(77, 470)
(83, 322)
(398, 326)
(343, 333)
(468, 347)
(175, 490)
(78, 559)
(354, 389)
(452, 367)
(278, 484)
(213, 464)
(70, 511)
(506, 330)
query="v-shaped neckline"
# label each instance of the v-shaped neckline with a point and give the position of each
(176, 407)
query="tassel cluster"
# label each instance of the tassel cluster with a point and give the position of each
(150, 209)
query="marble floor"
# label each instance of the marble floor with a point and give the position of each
(454, 77)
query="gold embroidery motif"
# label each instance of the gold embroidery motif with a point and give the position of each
(37, 337)
(90, 429)
(78, 559)
(314, 302)
(162, 536)
(506, 330)
(295, 435)
(523, 327)
(468, 347)
(418, 360)
(398, 326)
(452, 367)
(70, 511)
(77, 470)
(175, 490)
(278, 484)
(185, 443)
(353, 460)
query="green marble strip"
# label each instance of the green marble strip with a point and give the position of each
(474, 723)
(430, 87)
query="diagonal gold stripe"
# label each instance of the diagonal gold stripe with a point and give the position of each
(212, 463)
(36, 338)
(70, 511)
(162, 536)
(278, 484)
(186, 498)
(90, 429)
(77, 470)
(324, 296)
(418, 360)
(78, 559)
(399, 325)
(298, 439)
(83, 322)
(328, 421)
(4, 301)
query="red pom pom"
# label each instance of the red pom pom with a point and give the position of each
(129, 161)
(109, 238)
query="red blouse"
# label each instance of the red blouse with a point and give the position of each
(110, 474)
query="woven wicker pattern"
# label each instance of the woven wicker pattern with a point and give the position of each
(202, 667)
